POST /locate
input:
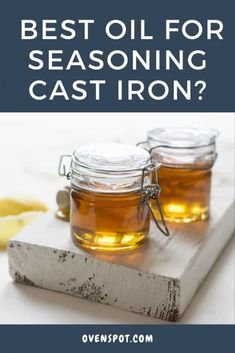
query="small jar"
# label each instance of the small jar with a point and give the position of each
(111, 185)
(187, 156)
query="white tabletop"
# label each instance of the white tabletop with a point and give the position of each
(31, 143)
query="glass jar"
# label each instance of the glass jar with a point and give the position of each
(111, 185)
(187, 156)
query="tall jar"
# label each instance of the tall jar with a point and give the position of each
(187, 156)
(111, 185)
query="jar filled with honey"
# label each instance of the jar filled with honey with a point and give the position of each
(111, 188)
(187, 156)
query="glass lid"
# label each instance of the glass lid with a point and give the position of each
(111, 157)
(184, 137)
(110, 167)
(183, 147)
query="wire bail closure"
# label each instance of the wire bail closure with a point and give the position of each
(152, 191)
(62, 169)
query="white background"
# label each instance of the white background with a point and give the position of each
(30, 146)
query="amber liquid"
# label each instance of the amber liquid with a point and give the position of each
(108, 222)
(185, 194)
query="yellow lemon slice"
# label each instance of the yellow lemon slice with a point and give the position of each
(16, 215)
(11, 207)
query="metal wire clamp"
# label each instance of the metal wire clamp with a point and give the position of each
(152, 191)
(62, 165)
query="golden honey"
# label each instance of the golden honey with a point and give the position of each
(187, 156)
(111, 188)
(185, 194)
(108, 222)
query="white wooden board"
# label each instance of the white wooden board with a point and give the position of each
(158, 280)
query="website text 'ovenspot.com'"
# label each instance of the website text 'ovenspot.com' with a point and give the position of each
(117, 338)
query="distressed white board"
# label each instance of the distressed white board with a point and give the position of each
(158, 280)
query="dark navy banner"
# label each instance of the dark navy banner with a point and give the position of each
(115, 56)
(116, 338)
